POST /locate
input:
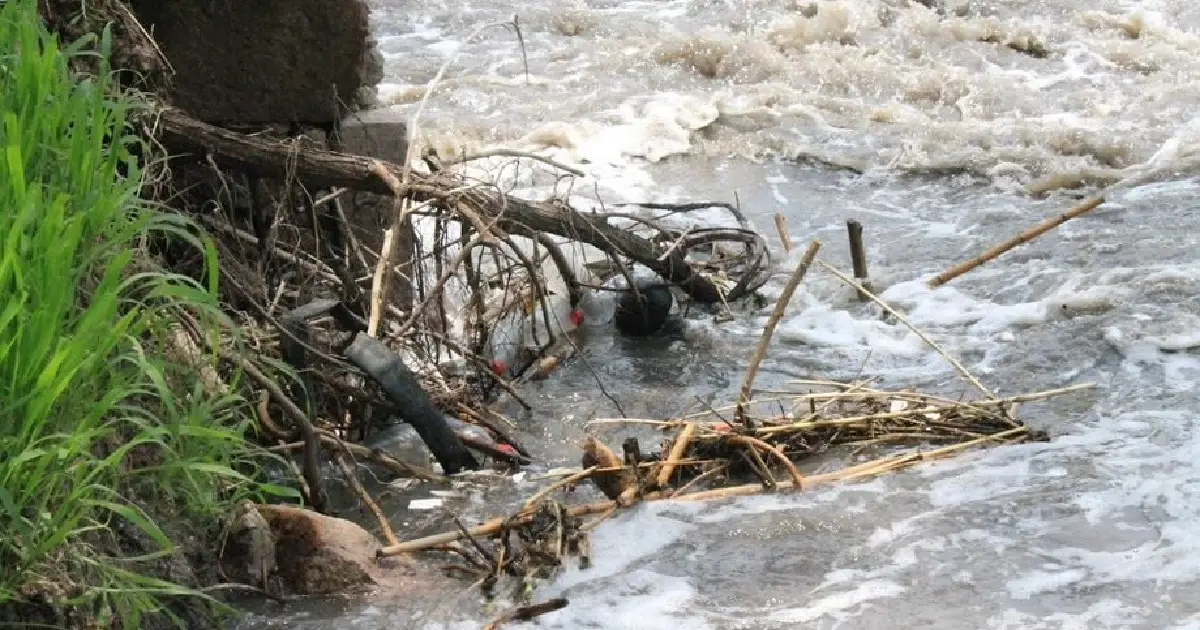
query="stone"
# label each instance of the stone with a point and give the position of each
(300, 552)
(317, 554)
(382, 134)
(266, 61)
(377, 133)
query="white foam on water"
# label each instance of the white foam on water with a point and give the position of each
(633, 600)
(843, 605)
(627, 539)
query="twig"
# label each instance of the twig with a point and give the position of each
(365, 497)
(517, 154)
(312, 444)
(526, 613)
(765, 340)
(561, 483)
(884, 305)
(375, 456)
(867, 469)
(380, 282)
(1023, 237)
(487, 557)
(714, 471)
(751, 442)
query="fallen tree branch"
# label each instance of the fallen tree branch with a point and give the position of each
(324, 169)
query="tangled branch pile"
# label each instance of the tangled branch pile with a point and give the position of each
(746, 448)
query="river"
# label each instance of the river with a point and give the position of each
(932, 127)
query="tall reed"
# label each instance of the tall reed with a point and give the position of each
(95, 425)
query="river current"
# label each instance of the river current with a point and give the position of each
(943, 130)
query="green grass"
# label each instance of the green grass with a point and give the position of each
(91, 413)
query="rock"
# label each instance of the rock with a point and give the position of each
(382, 134)
(269, 61)
(301, 552)
(377, 133)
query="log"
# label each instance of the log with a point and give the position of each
(182, 134)
(412, 403)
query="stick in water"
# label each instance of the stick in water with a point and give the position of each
(527, 613)
(858, 257)
(962, 370)
(781, 228)
(776, 315)
(1020, 239)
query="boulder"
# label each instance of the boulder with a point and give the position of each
(266, 61)
(296, 551)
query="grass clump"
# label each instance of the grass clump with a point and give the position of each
(100, 436)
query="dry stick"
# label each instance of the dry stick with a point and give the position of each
(312, 444)
(379, 283)
(383, 269)
(954, 362)
(264, 418)
(516, 154)
(678, 448)
(365, 497)
(526, 613)
(745, 440)
(764, 341)
(561, 483)
(716, 470)
(781, 228)
(1020, 239)
(866, 469)
(358, 451)
(858, 257)
(487, 557)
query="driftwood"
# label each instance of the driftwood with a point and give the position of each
(1020, 239)
(323, 169)
(776, 314)
(528, 613)
(415, 408)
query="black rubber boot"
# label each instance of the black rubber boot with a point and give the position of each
(643, 312)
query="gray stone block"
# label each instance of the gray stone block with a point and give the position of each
(265, 61)
(377, 133)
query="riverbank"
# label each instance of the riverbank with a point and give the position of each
(118, 464)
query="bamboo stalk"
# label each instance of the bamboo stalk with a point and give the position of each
(1020, 239)
(777, 314)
